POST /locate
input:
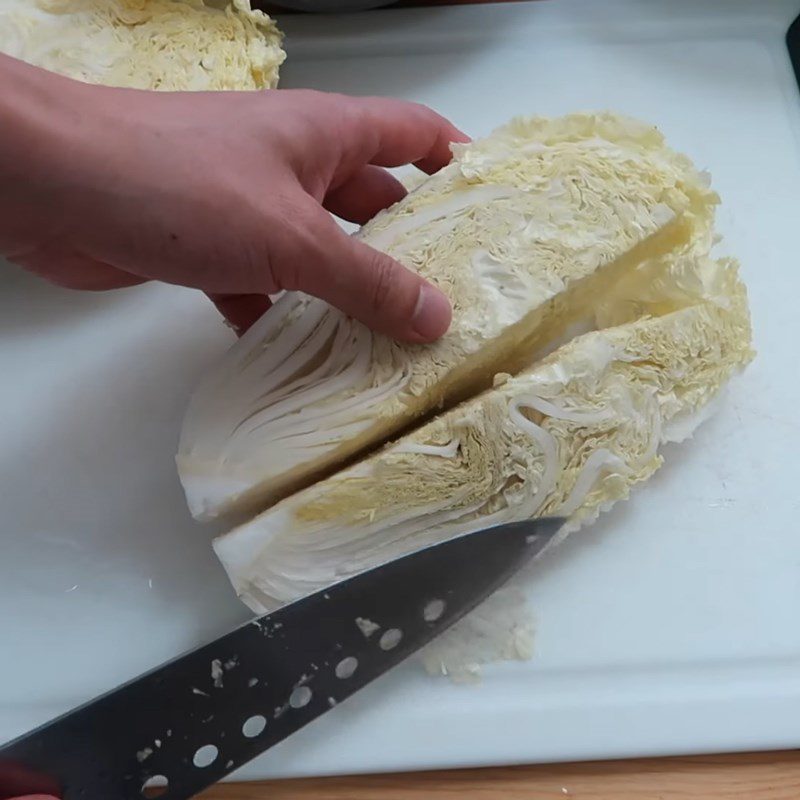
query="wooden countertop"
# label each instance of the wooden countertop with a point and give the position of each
(753, 776)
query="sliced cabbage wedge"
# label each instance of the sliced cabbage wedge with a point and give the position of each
(526, 231)
(570, 436)
(146, 44)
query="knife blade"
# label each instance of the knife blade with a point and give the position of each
(183, 726)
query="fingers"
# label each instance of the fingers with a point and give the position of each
(240, 310)
(381, 293)
(366, 193)
(320, 259)
(390, 133)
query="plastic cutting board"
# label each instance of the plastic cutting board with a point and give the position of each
(669, 627)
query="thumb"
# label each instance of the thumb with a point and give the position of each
(369, 285)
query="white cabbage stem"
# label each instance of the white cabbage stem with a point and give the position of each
(550, 409)
(597, 463)
(449, 450)
(545, 441)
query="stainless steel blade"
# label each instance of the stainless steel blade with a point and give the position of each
(199, 717)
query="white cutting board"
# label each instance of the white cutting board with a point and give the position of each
(669, 627)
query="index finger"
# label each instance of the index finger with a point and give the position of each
(391, 133)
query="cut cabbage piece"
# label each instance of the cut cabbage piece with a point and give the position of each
(146, 44)
(502, 628)
(570, 435)
(525, 231)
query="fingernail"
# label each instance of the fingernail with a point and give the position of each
(432, 314)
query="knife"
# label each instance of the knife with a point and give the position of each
(183, 726)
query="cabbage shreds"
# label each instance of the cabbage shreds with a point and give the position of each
(146, 44)
(525, 231)
(568, 436)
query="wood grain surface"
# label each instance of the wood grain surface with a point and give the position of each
(753, 776)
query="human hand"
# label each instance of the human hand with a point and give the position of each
(226, 192)
(15, 779)
(35, 797)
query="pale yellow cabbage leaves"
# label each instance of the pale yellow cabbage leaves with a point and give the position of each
(166, 45)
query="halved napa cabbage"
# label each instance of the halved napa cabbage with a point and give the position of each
(526, 231)
(568, 436)
(146, 44)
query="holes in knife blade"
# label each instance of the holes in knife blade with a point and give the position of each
(433, 610)
(253, 726)
(346, 668)
(300, 697)
(156, 786)
(205, 756)
(391, 639)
